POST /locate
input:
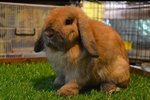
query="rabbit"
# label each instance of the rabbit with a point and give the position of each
(83, 52)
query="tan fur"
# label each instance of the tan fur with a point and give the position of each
(95, 52)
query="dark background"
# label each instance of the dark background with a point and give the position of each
(62, 2)
(47, 2)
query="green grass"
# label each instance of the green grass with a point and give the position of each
(34, 81)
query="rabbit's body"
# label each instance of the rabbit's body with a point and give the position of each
(70, 65)
(83, 52)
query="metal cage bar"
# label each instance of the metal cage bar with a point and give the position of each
(20, 25)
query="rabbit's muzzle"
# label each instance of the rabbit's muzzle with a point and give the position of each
(54, 41)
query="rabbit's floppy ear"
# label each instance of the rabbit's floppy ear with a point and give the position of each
(39, 44)
(86, 34)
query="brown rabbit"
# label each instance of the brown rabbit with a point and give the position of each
(84, 52)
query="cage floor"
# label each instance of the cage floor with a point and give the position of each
(145, 68)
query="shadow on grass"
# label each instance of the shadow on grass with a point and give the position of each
(44, 83)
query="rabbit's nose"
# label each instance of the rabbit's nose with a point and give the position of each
(49, 34)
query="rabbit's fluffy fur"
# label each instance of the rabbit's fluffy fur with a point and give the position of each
(83, 52)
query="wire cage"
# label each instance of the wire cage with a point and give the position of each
(20, 25)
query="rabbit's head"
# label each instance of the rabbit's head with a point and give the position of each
(65, 27)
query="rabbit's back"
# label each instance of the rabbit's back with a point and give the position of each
(112, 63)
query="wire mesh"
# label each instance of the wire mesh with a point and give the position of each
(130, 19)
(20, 25)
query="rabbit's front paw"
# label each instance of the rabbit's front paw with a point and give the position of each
(70, 89)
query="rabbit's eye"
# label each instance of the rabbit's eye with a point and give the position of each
(69, 21)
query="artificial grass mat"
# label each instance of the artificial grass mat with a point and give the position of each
(34, 81)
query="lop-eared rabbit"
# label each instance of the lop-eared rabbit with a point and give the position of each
(83, 52)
